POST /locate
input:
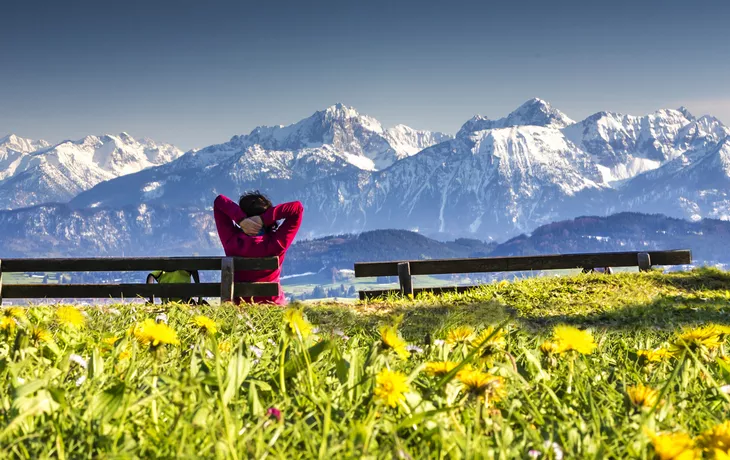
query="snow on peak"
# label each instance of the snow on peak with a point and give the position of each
(687, 114)
(20, 144)
(534, 112)
(538, 112)
(407, 141)
(61, 171)
(359, 140)
(340, 111)
(13, 149)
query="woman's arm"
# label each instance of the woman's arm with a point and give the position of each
(226, 212)
(292, 214)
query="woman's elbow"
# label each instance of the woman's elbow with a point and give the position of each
(219, 200)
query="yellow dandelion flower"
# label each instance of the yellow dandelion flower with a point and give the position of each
(38, 335)
(722, 330)
(14, 312)
(716, 438)
(224, 346)
(718, 454)
(496, 340)
(155, 334)
(698, 339)
(70, 316)
(205, 324)
(569, 338)
(642, 396)
(461, 334)
(491, 347)
(8, 324)
(391, 341)
(482, 384)
(439, 369)
(390, 387)
(549, 348)
(675, 446)
(124, 355)
(653, 356)
(110, 341)
(296, 323)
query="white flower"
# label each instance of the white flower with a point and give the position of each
(256, 351)
(272, 343)
(725, 389)
(557, 450)
(161, 318)
(439, 342)
(209, 354)
(80, 380)
(78, 360)
(534, 453)
(341, 334)
(414, 349)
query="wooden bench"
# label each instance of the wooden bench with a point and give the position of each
(588, 262)
(227, 289)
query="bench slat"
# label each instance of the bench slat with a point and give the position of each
(523, 263)
(120, 264)
(99, 291)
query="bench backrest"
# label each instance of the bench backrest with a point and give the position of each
(227, 289)
(405, 269)
(523, 263)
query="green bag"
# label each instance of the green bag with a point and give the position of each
(176, 277)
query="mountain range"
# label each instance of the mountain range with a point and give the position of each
(35, 172)
(494, 179)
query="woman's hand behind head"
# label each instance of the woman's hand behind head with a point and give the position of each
(252, 225)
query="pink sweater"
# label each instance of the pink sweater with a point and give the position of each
(237, 244)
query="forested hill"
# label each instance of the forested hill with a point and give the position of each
(709, 239)
(342, 251)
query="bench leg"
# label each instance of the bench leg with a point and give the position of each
(644, 262)
(226, 280)
(404, 276)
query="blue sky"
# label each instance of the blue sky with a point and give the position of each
(197, 73)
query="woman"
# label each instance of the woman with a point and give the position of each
(249, 229)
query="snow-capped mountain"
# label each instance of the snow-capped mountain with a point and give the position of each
(12, 150)
(694, 185)
(361, 140)
(490, 179)
(60, 172)
(625, 145)
(494, 179)
(281, 159)
(534, 112)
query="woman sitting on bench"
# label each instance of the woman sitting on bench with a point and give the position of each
(249, 229)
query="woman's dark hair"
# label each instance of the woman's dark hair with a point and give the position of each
(254, 203)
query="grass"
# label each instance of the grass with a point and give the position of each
(263, 386)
